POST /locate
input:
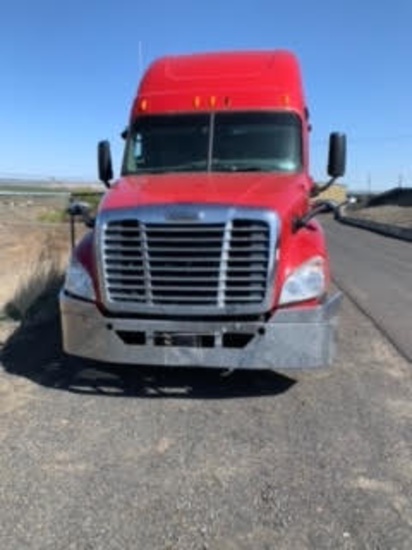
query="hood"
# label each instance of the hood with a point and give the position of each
(267, 190)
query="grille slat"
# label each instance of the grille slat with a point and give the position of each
(252, 249)
(193, 250)
(180, 288)
(183, 264)
(113, 271)
(122, 277)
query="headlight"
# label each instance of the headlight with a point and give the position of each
(305, 283)
(78, 282)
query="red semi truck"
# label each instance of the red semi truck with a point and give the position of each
(206, 251)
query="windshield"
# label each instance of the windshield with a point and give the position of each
(220, 142)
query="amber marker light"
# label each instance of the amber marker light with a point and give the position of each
(143, 105)
(285, 100)
(196, 102)
(213, 101)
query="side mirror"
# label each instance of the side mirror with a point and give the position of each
(124, 133)
(337, 155)
(104, 158)
(81, 209)
(336, 161)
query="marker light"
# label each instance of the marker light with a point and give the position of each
(196, 102)
(212, 100)
(143, 105)
(286, 99)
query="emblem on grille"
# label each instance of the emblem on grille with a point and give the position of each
(184, 215)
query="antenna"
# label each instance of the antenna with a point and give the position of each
(140, 59)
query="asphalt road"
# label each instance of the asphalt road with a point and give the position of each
(165, 459)
(376, 272)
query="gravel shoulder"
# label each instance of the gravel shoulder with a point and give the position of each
(169, 459)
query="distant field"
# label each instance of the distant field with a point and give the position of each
(48, 189)
(32, 189)
(22, 185)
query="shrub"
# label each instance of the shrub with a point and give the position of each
(38, 285)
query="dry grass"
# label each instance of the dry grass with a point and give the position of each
(39, 280)
(33, 259)
(44, 281)
(53, 216)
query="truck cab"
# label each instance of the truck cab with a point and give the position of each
(206, 251)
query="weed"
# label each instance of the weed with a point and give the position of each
(39, 284)
(53, 216)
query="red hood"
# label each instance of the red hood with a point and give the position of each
(252, 190)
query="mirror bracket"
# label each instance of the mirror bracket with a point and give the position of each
(318, 189)
(321, 207)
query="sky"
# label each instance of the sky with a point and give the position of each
(69, 71)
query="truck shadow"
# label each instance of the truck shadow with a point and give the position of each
(34, 351)
(181, 383)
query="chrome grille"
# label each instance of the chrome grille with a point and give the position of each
(216, 266)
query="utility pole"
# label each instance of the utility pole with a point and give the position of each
(369, 183)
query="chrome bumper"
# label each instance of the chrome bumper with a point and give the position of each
(292, 338)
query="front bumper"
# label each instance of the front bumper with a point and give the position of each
(298, 338)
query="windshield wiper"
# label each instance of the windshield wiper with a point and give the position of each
(186, 167)
(237, 166)
(201, 165)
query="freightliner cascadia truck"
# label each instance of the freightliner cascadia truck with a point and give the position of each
(206, 251)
